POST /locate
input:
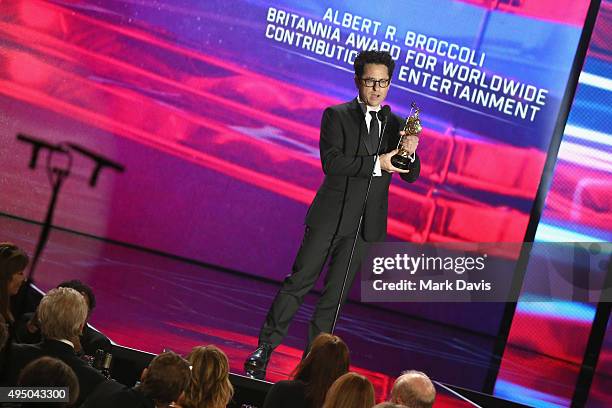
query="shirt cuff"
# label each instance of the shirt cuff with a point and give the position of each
(377, 172)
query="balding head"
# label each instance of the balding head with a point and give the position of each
(413, 389)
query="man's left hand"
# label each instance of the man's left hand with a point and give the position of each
(409, 143)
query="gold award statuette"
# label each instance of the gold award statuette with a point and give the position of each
(413, 127)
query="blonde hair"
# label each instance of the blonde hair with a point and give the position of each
(62, 312)
(209, 386)
(350, 391)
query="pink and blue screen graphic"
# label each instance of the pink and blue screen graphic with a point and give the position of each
(549, 340)
(217, 124)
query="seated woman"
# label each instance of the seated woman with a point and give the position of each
(13, 262)
(209, 386)
(350, 391)
(327, 360)
(3, 334)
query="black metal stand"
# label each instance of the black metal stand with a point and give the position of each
(57, 175)
(365, 200)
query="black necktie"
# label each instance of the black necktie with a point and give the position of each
(373, 133)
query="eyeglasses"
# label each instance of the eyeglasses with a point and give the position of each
(370, 82)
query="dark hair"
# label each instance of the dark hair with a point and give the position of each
(327, 360)
(12, 260)
(4, 333)
(166, 378)
(50, 372)
(81, 288)
(373, 57)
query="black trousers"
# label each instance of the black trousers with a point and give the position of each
(317, 246)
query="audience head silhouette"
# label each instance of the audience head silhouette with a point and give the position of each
(413, 389)
(351, 390)
(62, 314)
(165, 379)
(13, 262)
(327, 360)
(50, 372)
(209, 386)
(84, 290)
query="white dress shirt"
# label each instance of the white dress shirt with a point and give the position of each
(369, 112)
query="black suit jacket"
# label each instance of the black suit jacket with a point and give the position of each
(115, 395)
(91, 339)
(287, 394)
(22, 354)
(348, 163)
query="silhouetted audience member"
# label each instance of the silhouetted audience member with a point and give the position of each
(50, 372)
(209, 386)
(161, 384)
(13, 262)
(413, 389)
(351, 390)
(327, 360)
(4, 334)
(28, 329)
(62, 313)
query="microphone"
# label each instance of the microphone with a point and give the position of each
(383, 114)
(37, 145)
(100, 163)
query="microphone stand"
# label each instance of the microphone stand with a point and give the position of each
(57, 175)
(365, 200)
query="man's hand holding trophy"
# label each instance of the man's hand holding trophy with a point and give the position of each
(400, 159)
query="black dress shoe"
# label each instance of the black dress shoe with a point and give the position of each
(256, 364)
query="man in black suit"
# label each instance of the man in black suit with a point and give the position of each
(161, 384)
(348, 142)
(27, 330)
(62, 314)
